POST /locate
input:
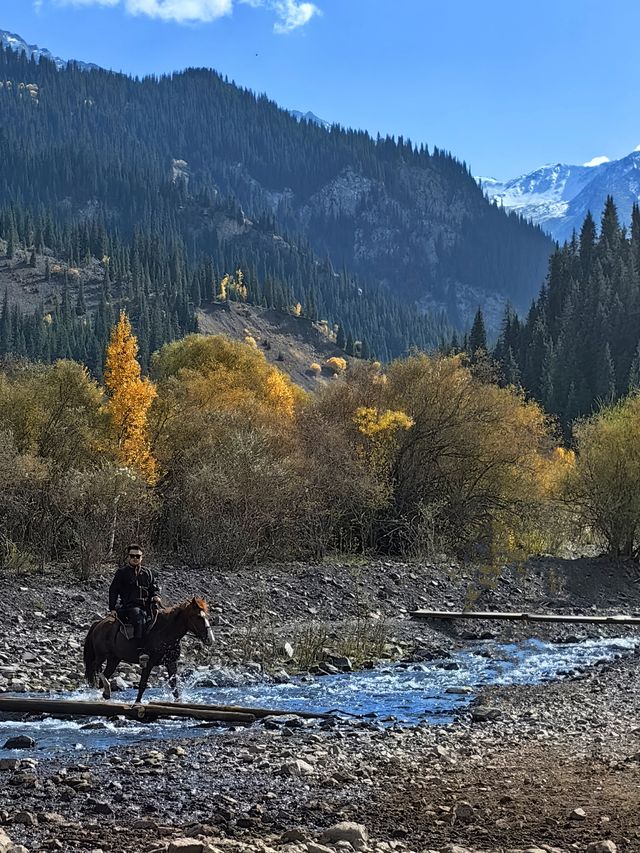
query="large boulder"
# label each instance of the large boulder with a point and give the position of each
(19, 742)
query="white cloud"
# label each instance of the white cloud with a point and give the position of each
(291, 14)
(182, 11)
(597, 161)
(86, 2)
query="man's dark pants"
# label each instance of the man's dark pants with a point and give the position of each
(136, 617)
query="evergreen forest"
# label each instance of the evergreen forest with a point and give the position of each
(170, 183)
(579, 346)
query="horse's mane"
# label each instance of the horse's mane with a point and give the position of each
(184, 605)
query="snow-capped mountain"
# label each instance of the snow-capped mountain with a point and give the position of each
(17, 43)
(309, 116)
(557, 197)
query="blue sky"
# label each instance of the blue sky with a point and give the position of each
(506, 86)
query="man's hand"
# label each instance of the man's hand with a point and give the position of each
(157, 601)
(112, 613)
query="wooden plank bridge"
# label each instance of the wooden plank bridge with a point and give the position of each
(525, 617)
(149, 712)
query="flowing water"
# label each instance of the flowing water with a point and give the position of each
(405, 694)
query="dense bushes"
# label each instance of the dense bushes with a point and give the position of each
(236, 464)
(603, 486)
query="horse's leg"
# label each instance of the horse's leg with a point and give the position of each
(144, 677)
(105, 677)
(172, 671)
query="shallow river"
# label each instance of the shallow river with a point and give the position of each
(406, 694)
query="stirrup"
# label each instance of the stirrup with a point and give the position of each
(143, 659)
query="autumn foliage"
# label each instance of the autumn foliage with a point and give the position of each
(221, 457)
(602, 483)
(129, 400)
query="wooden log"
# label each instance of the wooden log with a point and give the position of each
(259, 713)
(88, 708)
(526, 617)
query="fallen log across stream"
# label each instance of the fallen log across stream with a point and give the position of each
(88, 708)
(258, 713)
(151, 711)
(524, 617)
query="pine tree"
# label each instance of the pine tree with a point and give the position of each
(81, 308)
(478, 335)
(634, 372)
(605, 380)
(5, 326)
(587, 242)
(349, 344)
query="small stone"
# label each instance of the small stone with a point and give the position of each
(486, 715)
(100, 807)
(5, 842)
(297, 768)
(186, 845)
(25, 818)
(602, 847)
(292, 836)
(314, 847)
(440, 751)
(355, 833)
(578, 814)
(463, 812)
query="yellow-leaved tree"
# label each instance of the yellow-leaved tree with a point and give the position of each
(130, 398)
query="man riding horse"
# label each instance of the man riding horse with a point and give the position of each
(138, 590)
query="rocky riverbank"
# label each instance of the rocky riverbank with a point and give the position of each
(546, 768)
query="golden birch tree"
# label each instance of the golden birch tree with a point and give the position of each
(130, 398)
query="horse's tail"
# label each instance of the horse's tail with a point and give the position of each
(90, 659)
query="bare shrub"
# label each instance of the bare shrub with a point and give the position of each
(236, 504)
(103, 505)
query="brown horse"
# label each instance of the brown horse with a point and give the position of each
(107, 642)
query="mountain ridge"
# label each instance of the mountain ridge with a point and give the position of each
(33, 51)
(557, 196)
(403, 217)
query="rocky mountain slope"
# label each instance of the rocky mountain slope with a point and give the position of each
(292, 343)
(399, 215)
(557, 197)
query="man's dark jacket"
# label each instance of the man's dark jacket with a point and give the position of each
(134, 589)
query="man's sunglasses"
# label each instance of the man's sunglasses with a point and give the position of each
(135, 556)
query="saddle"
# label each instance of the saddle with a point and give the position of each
(127, 630)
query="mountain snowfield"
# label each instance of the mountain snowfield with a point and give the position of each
(15, 42)
(557, 197)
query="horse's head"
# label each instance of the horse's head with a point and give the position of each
(198, 620)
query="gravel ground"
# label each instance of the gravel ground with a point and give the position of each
(548, 768)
